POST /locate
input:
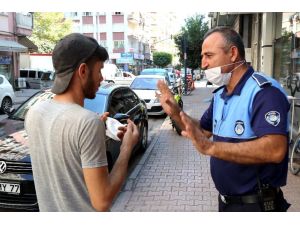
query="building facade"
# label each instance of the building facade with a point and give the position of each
(128, 37)
(272, 42)
(14, 29)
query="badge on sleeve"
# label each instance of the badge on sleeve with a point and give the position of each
(273, 118)
(239, 127)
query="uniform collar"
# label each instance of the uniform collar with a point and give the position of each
(238, 88)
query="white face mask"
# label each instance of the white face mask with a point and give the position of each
(215, 75)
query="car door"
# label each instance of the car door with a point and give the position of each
(33, 79)
(124, 101)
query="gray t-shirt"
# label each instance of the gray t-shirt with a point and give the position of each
(63, 139)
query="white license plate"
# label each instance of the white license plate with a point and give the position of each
(10, 188)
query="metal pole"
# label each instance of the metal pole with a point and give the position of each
(184, 63)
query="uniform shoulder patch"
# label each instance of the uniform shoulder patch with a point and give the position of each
(273, 118)
(261, 80)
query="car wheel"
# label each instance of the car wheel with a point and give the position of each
(144, 141)
(6, 104)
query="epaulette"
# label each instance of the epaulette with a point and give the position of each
(261, 80)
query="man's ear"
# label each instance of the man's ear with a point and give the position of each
(83, 70)
(234, 53)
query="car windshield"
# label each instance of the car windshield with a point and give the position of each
(144, 84)
(20, 113)
(97, 105)
(153, 72)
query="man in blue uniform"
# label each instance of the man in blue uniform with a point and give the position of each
(248, 120)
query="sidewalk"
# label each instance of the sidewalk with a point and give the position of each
(173, 176)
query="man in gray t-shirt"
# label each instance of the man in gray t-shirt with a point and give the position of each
(67, 142)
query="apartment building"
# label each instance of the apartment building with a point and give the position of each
(14, 29)
(129, 37)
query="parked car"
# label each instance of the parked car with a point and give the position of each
(36, 78)
(145, 87)
(128, 74)
(112, 74)
(158, 72)
(7, 94)
(17, 190)
(172, 75)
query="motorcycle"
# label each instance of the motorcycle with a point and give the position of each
(177, 96)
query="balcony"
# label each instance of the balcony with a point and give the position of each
(24, 20)
(133, 34)
(24, 23)
(134, 17)
(223, 18)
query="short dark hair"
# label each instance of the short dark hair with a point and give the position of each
(99, 54)
(231, 37)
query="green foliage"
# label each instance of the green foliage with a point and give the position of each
(194, 31)
(162, 59)
(177, 66)
(49, 27)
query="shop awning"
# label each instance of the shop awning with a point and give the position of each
(12, 46)
(28, 43)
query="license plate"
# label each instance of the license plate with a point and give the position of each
(10, 188)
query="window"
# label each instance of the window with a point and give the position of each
(118, 44)
(45, 75)
(118, 13)
(117, 104)
(87, 14)
(40, 74)
(103, 44)
(31, 74)
(130, 100)
(122, 101)
(23, 73)
(1, 80)
(74, 14)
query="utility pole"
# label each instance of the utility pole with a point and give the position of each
(184, 62)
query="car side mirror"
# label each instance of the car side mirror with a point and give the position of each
(121, 117)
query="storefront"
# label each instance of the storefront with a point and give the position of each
(9, 58)
(126, 62)
(6, 65)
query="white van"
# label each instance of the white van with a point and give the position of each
(36, 78)
(112, 74)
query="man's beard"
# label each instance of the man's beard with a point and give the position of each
(88, 89)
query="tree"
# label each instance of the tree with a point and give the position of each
(194, 31)
(162, 59)
(49, 28)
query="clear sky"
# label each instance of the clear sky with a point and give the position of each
(150, 5)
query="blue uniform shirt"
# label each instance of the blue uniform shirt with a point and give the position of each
(257, 106)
